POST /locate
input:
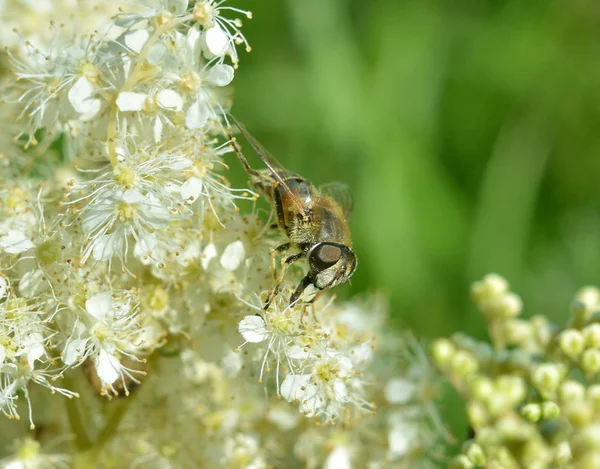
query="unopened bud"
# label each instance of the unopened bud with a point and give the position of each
(550, 410)
(546, 378)
(442, 351)
(591, 335)
(590, 361)
(531, 412)
(571, 343)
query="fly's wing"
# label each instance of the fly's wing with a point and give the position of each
(341, 194)
(276, 169)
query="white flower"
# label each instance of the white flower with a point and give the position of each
(109, 330)
(253, 329)
(57, 84)
(324, 388)
(339, 458)
(109, 220)
(399, 390)
(233, 255)
(15, 242)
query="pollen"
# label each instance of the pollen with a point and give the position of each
(190, 82)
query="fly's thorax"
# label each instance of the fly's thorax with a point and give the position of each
(333, 226)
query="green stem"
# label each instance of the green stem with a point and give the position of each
(76, 418)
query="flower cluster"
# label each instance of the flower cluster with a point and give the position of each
(132, 282)
(533, 396)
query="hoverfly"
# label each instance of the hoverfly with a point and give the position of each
(315, 221)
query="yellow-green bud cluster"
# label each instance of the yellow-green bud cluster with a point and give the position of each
(532, 398)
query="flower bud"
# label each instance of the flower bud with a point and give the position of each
(517, 331)
(550, 410)
(571, 343)
(593, 395)
(474, 452)
(481, 388)
(591, 335)
(571, 391)
(477, 413)
(531, 412)
(464, 363)
(461, 462)
(509, 306)
(590, 361)
(492, 286)
(546, 378)
(442, 351)
(562, 453)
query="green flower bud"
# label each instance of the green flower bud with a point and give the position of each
(478, 415)
(464, 363)
(591, 335)
(481, 388)
(593, 395)
(578, 413)
(513, 387)
(442, 352)
(550, 410)
(571, 391)
(571, 343)
(546, 378)
(509, 306)
(492, 286)
(563, 454)
(461, 462)
(590, 361)
(532, 412)
(474, 452)
(517, 331)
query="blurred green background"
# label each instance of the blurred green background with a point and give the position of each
(468, 130)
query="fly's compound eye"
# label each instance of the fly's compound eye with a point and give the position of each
(324, 256)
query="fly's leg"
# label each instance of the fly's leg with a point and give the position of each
(278, 250)
(238, 151)
(289, 261)
(305, 282)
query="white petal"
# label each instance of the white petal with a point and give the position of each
(107, 246)
(74, 351)
(158, 127)
(107, 367)
(339, 458)
(93, 108)
(191, 189)
(136, 40)
(398, 443)
(209, 253)
(154, 213)
(253, 329)
(196, 115)
(233, 255)
(231, 363)
(216, 40)
(169, 99)
(179, 163)
(177, 6)
(79, 95)
(220, 75)
(3, 286)
(2, 354)
(133, 196)
(399, 391)
(130, 101)
(144, 247)
(15, 242)
(99, 305)
(294, 386)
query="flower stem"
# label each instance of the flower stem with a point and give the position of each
(76, 418)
